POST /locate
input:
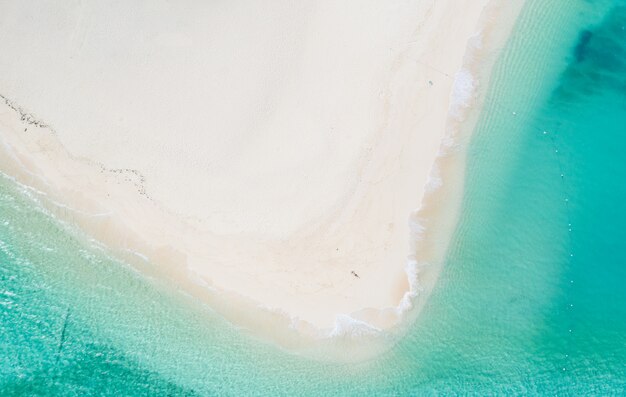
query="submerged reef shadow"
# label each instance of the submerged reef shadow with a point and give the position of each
(598, 60)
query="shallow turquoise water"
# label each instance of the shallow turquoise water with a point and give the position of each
(532, 298)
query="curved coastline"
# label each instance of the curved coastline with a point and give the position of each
(431, 224)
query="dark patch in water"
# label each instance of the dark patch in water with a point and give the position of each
(599, 60)
(583, 40)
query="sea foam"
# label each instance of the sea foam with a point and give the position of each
(346, 325)
(463, 92)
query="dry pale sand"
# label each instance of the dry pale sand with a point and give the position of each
(268, 150)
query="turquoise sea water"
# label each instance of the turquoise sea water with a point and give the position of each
(532, 298)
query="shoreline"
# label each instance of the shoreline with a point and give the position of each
(432, 225)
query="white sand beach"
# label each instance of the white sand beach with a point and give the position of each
(270, 151)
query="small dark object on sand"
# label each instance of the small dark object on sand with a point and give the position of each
(354, 274)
